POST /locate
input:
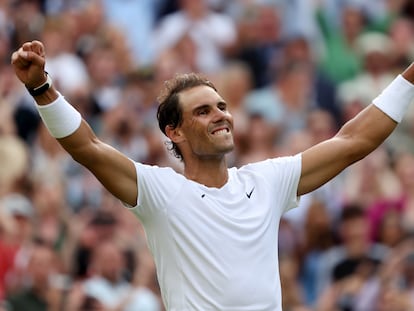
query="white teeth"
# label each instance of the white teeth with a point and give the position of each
(223, 131)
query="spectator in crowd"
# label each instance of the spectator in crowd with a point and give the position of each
(211, 32)
(339, 60)
(129, 16)
(404, 168)
(401, 35)
(27, 20)
(376, 53)
(389, 230)
(259, 29)
(298, 47)
(43, 288)
(15, 232)
(100, 226)
(69, 69)
(371, 180)
(320, 125)
(259, 140)
(7, 249)
(394, 287)
(107, 284)
(353, 286)
(318, 236)
(338, 260)
(14, 166)
(293, 296)
(287, 100)
(16, 211)
(51, 222)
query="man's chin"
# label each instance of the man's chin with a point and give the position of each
(227, 149)
(219, 152)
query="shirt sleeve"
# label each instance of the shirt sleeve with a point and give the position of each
(290, 168)
(156, 188)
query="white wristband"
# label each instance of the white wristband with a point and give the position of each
(395, 98)
(60, 118)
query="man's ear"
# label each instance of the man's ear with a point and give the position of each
(175, 134)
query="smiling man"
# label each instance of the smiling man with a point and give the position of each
(213, 230)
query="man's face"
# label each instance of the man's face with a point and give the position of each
(109, 262)
(207, 127)
(42, 265)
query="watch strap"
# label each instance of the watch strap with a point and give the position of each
(39, 90)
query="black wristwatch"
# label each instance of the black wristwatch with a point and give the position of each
(41, 88)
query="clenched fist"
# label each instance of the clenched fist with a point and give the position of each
(29, 64)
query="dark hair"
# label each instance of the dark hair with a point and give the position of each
(90, 303)
(169, 111)
(352, 211)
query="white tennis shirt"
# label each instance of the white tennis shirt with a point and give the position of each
(217, 248)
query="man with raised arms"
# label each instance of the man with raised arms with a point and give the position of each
(213, 230)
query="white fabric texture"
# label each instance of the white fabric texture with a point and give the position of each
(395, 98)
(60, 118)
(217, 248)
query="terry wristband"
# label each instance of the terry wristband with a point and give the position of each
(60, 118)
(395, 98)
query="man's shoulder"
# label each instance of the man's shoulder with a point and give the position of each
(281, 161)
(155, 169)
(158, 179)
(272, 169)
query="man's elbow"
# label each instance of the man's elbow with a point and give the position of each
(87, 155)
(357, 149)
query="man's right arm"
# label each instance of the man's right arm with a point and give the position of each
(114, 170)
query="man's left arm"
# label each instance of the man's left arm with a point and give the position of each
(359, 136)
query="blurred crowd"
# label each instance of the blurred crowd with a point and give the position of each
(292, 71)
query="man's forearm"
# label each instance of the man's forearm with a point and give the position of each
(47, 97)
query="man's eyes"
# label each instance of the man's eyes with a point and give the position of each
(202, 112)
(206, 111)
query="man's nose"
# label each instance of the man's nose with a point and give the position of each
(220, 114)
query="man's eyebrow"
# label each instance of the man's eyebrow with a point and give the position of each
(201, 106)
(204, 105)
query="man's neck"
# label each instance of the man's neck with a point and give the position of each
(209, 173)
